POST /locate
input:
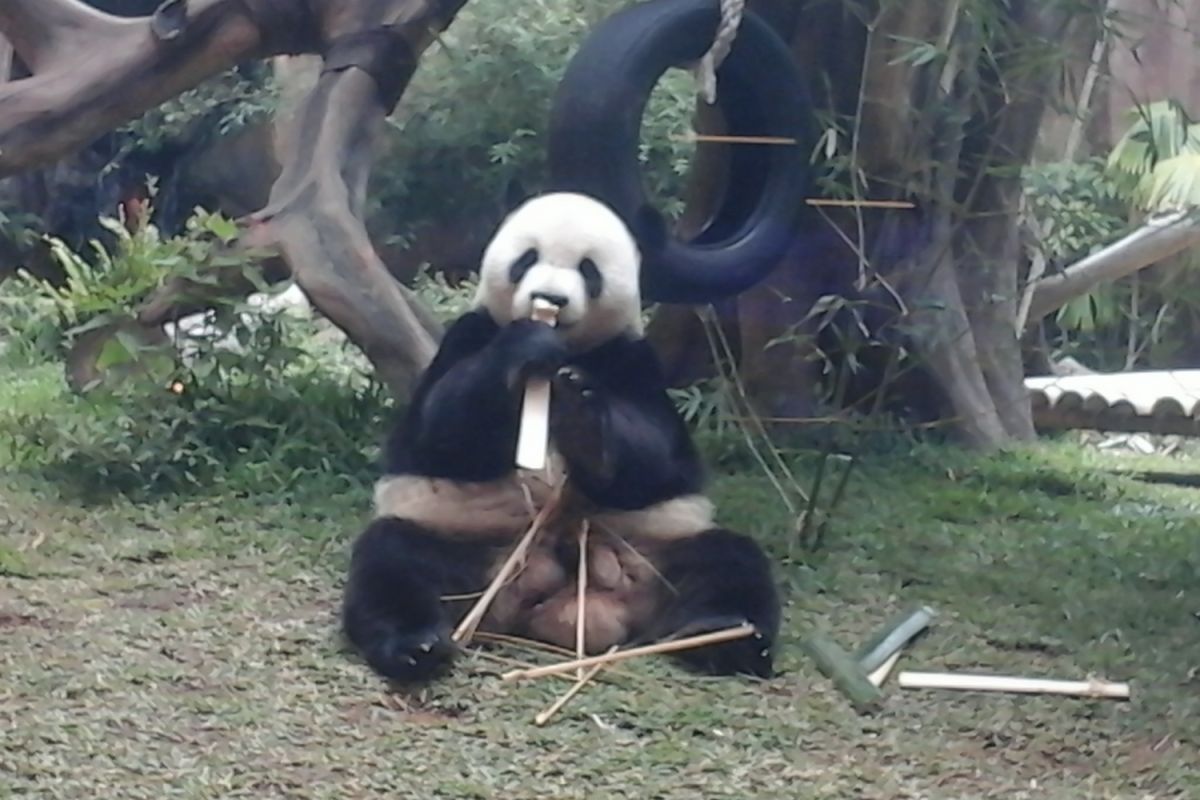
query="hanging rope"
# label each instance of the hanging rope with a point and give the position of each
(706, 69)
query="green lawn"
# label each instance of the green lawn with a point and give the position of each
(187, 647)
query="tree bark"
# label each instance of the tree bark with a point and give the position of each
(92, 72)
(953, 132)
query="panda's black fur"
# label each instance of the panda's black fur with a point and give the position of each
(452, 504)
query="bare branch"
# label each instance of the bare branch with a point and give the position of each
(1160, 238)
(43, 30)
(92, 71)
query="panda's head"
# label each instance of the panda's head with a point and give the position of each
(573, 251)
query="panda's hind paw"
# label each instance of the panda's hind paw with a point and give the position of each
(411, 656)
(751, 655)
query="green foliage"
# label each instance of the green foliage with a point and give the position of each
(1156, 163)
(257, 431)
(107, 286)
(710, 413)
(447, 301)
(30, 332)
(1077, 208)
(475, 113)
(254, 397)
(1080, 207)
(219, 106)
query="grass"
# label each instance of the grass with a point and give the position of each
(187, 647)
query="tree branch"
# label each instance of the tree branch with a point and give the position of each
(1159, 238)
(310, 220)
(92, 71)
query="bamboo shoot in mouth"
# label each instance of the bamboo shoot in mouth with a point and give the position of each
(533, 438)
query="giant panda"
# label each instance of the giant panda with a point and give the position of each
(451, 503)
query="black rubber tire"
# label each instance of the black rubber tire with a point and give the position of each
(595, 130)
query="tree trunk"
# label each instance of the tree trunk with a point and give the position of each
(92, 71)
(949, 131)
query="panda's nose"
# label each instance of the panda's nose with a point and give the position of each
(559, 300)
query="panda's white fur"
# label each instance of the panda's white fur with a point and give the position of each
(564, 229)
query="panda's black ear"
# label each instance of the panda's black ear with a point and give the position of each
(649, 229)
(514, 195)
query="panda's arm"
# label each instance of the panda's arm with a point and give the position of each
(624, 441)
(462, 421)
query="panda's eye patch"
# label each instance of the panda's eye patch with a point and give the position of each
(593, 281)
(522, 265)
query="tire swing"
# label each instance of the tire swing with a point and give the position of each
(595, 129)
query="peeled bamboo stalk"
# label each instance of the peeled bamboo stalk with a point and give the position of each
(1093, 687)
(883, 670)
(533, 436)
(581, 599)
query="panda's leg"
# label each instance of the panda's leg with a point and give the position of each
(392, 609)
(720, 579)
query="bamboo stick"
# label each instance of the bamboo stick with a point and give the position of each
(846, 673)
(533, 436)
(1093, 687)
(893, 636)
(723, 139)
(883, 670)
(584, 678)
(830, 201)
(581, 599)
(466, 628)
(715, 637)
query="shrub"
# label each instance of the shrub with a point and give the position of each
(475, 113)
(261, 399)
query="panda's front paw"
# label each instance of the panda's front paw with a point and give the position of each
(578, 422)
(410, 656)
(530, 349)
(573, 385)
(750, 655)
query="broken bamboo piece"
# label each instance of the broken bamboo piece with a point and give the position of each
(533, 437)
(883, 670)
(846, 673)
(581, 599)
(470, 621)
(839, 203)
(724, 139)
(584, 677)
(1093, 687)
(893, 636)
(715, 637)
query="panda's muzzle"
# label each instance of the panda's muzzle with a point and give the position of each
(557, 300)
